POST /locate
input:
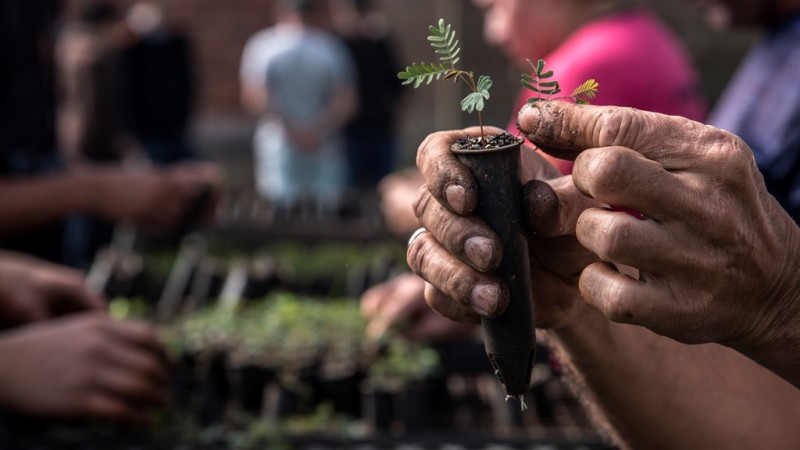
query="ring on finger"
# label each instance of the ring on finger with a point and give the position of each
(416, 234)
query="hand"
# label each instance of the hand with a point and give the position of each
(305, 139)
(32, 289)
(156, 200)
(717, 254)
(83, 366)
(460, 251)
(397, 192)
(399, 305)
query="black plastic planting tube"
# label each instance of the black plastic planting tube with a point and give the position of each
(510, 340)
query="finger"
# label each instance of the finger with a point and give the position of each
(139, 334)
(108, 407)
(73, 295)
(399, 311)
(141, 361)
(623, 299)
(565, 129)
(372, 299)
(467, 237)
(450, 182)
(552, 208)
(622, 177)
(449, 308)
(483, 292)
(432, 327)
(131, 386)
(618, 237)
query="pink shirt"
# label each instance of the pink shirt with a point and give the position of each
(636, 61)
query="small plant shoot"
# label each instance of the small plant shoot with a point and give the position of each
(443, 40)
(545, 88)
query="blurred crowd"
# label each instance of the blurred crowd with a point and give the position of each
(96, 105)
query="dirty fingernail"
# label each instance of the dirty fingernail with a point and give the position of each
(455, 196)
(479, 250)
(528, 119)
(485, 298)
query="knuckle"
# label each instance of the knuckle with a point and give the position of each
(419, 254)
(603, 171)
(421, 202)
(730, 155)
(614, 239)
(614, 126)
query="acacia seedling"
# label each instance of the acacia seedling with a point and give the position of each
(545, 87)
(443, 39)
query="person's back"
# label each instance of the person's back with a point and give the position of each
(306, 81)
(303, 72)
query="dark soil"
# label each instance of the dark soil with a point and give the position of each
(490, 141)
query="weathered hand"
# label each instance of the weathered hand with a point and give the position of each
(399, 305)
(83, 365)
(717, 254)
(32, 289)
(460, 251)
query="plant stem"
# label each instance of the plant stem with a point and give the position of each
(470, 80)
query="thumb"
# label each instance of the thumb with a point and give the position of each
(565, 129)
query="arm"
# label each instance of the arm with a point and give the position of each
(32, 202)
(150, 198)
(652, 392)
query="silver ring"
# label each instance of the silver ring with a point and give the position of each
(416, 235)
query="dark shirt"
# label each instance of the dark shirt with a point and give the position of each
(160, 85)
(27, 99)
(378, 86)
(27, 107)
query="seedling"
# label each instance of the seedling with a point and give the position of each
(495, 164)
(443, 40)
(545, 90)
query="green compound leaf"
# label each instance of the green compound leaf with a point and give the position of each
(419, 73)
(443, 40)
(586, 92)
(545, 90)
(473, 101)
(484, 84)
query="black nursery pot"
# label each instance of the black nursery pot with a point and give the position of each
(509, 339)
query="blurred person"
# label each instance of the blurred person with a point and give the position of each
(83, 364)
(299, 80)
(91, 74)
(371, 134)
(38, 193)
(160, 85)
(65, 357)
